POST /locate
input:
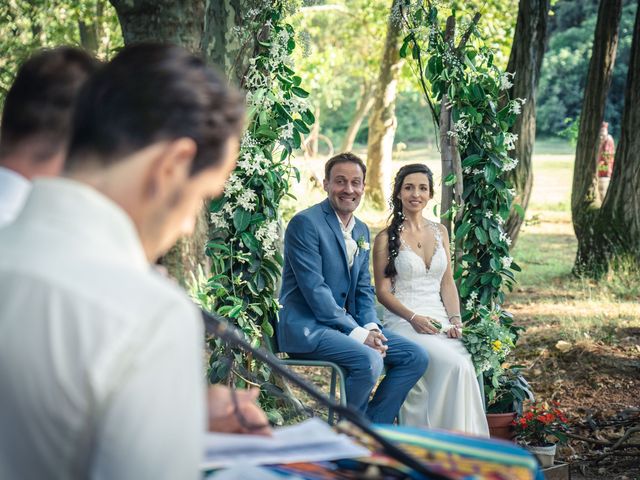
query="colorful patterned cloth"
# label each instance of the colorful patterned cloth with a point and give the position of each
(456, 456)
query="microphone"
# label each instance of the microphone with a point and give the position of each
(217, 326)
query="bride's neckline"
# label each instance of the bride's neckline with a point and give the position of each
(437, 245)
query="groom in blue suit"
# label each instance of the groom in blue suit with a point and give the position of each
(328, 308)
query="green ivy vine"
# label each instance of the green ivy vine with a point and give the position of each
(245, 224)
(482, 115)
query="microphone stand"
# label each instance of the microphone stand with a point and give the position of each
(219, 327)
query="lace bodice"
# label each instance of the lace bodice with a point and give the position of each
(414, 279)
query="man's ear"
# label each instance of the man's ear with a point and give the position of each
(325, 185)
(172, 166)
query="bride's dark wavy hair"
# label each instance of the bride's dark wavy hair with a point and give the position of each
(397, 217)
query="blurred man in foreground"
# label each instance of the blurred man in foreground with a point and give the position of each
(101, 358)
(36, 120)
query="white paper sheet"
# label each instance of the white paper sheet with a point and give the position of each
(309, 441)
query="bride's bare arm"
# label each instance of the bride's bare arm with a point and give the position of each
(420, 323)
(448, 289)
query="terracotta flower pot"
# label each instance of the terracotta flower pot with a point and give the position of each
(545, 454)
(501, 425)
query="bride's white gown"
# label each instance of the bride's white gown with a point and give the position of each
(447, 396)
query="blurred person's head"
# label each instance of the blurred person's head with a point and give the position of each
(36, 119)
(157, 131)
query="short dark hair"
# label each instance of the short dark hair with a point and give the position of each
(345, 157)
(39, 104)
(149, 93)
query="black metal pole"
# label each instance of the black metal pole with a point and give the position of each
(218, 326)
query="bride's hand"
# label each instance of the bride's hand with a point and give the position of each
(455, 331)
(422, 324)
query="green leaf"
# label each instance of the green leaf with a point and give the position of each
(450, 179)
(490, 172)
(235, 311)
(462, 231)
(403, 48)
(481, 235)
(494, 234)
(266, 131)
(299, 92)
(515, 267)
(250, 241)
(241, 219)
(216, 204)
(267, 328)
(308, 117)
(471, 160)
(519, 210)
(301, 126)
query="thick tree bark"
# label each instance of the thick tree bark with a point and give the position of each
(382, 119)
(621, 208)
(367, 96)
(585, 201)
(525, 61)
(181, 23)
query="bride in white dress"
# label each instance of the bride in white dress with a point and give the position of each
(414, 283)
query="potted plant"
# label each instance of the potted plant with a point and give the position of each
(539, 429)
(505, 400)
(489, 341)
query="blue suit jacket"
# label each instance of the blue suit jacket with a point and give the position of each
(319, 291)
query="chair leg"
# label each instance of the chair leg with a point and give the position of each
(332, 394)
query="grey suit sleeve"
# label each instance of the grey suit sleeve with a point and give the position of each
(302, 250)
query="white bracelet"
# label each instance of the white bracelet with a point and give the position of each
(413, 316)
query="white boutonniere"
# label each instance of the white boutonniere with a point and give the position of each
(363, 245)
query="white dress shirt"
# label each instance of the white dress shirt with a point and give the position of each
(359, 333)
(101, 368)
(14, 189)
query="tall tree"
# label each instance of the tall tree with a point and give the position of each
(585, 201)
(525, 62)
(618, 225)
(382, 119)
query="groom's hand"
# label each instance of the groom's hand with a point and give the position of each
(376, 340)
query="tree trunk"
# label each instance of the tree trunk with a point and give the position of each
(167, 21)
(525, 60)
(585, 201)
(313, 139)
(180, 23)
(367, 96)
(382, 120)
(90, 33)
(621, 208)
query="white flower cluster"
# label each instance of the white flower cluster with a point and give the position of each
(252, 163)
(233, 185)
(268, 235)
(505, 81)
(515, 106)
(509, 164)
(510, 140)
(505, 238)
(470, 304)
(506, 261)
(461, 130)
(247, 200)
